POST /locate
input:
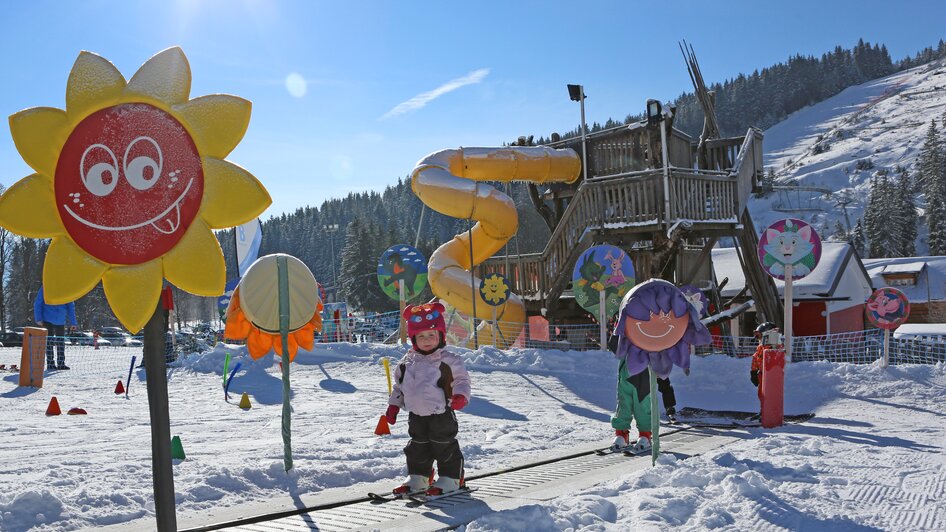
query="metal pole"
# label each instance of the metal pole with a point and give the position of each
(331, 239)
(157, 384)
(666, 161)
(788, 313)
(476, 342)
(423, 207)
(584, 133)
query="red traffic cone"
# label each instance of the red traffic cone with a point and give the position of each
(119, 388)
(77, 411)
(382, 427)
(53, 408)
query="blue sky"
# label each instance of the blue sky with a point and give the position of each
(348, 96)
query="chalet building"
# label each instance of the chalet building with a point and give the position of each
(921, 279)
(829, 300)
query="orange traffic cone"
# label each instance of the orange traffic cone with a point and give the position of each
(119, 388)
(53, 408)
(382, 427)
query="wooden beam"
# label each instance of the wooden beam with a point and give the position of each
(703, 254)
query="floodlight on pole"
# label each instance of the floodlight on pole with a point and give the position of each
(331, 228)
(577, 94)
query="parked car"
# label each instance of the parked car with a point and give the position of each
(11, 339)
(118, 337)
(87, 338)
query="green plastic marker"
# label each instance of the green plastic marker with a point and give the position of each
(226, 366)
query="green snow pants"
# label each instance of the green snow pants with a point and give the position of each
(633, 400)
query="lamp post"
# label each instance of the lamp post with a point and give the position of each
(577, 94)
(331, 228)
(656, 115)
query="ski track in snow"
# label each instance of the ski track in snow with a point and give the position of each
(871, 458)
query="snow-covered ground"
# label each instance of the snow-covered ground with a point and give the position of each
(872, 457)
(884, 120)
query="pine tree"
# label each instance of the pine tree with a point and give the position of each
(858, 239)
(905, 217)
(932, 178)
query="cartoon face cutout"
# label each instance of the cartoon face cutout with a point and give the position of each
(494, 289)
(662, 331)
(884, 304)
(128, 184)
(789, 247)
(887, 308)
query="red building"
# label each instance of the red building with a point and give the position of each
(829, 300)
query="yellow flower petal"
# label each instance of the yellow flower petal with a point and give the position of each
(94, 83)
(217, 122)
(196, 263)
(28, 208)
(39, 134)
(133, 292)
(69, 272)
(166, 77)
(232, 195)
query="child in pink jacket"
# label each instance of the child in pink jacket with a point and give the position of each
(431, 383)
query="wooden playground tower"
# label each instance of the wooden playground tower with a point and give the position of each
(622, 202)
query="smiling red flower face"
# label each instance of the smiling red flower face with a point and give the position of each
(661, 331)
(128, 184)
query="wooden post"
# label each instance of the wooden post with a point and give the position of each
(886, 360)
(402, 325)
(156, 375)
(603, 321)
(31, 356)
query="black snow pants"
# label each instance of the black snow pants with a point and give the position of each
(434, 438)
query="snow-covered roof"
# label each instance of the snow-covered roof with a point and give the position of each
(920, 329)
(836, 257)
(906, 267)
(930, 281)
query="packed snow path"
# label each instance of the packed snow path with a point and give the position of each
(503, 490)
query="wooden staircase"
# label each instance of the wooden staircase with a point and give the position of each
(625, 207)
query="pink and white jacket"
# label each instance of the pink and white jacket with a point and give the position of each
(416, 381)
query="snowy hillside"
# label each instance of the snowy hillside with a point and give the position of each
(883, 120)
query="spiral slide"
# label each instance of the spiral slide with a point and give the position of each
(448, 181)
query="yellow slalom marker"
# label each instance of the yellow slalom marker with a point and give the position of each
(387, 372)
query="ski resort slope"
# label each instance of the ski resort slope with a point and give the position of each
(883, 120)
(872, 458)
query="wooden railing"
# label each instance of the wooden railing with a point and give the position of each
(628, 200)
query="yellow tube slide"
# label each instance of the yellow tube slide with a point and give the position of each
(448, 182)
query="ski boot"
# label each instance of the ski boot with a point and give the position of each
(621, 439)
(413, 484)
(643, 443)
(672, 414)
(445, 485)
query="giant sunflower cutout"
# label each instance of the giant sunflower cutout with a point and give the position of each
(130, 179)
(253, 313)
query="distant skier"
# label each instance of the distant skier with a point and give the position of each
(769, 338)
(431, 383)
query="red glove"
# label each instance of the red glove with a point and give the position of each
(458, 402)
(391, 414)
